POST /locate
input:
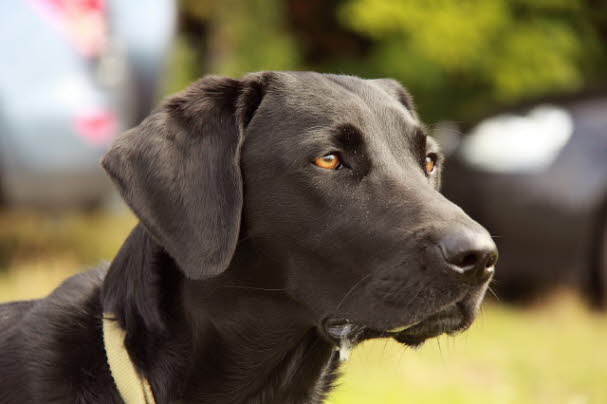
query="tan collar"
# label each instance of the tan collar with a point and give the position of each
(132, 386)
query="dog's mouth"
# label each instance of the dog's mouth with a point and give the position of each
(454, 318)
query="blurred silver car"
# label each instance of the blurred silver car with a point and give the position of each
(74, 73)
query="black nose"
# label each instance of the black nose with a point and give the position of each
(472, 253)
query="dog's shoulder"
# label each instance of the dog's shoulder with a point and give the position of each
(73, 292)
(48, 342)
(11, 313)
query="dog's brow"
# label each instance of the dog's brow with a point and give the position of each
(419, 139)
(349, 136)
(419, 132)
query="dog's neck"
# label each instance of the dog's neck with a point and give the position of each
(221, 340)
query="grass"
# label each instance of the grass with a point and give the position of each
(553, 353)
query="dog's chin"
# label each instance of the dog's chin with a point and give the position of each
(450, 319)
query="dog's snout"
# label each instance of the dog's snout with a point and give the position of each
(473, 254)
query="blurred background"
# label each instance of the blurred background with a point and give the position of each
(514, 90)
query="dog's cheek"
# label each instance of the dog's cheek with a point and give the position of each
(320, 283)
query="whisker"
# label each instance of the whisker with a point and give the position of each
(419, 290)
(351, 290)
(493, 293)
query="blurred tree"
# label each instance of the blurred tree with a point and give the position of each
(233, 37)
(460, 58)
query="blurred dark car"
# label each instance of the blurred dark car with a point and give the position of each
(536, 176)
(73, 74)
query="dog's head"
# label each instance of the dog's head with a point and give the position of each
(331, 178)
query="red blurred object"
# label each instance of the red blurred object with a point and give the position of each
(97, 127)
(82, 22)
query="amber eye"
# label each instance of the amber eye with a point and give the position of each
(430, 163)
(328, 162)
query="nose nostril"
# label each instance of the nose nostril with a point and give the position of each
(491, 261)
(468, 260)
(471, 254)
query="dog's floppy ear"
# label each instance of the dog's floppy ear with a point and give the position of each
(394, 88)
(179, 171)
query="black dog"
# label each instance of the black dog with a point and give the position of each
(284, 218)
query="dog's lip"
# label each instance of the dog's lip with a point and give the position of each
(400, 329)
(449, 319)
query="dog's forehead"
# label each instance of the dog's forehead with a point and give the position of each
(329, 100)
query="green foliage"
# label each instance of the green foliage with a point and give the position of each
(254, 33)
(478, 52)
(460, 58)
(241, 36)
